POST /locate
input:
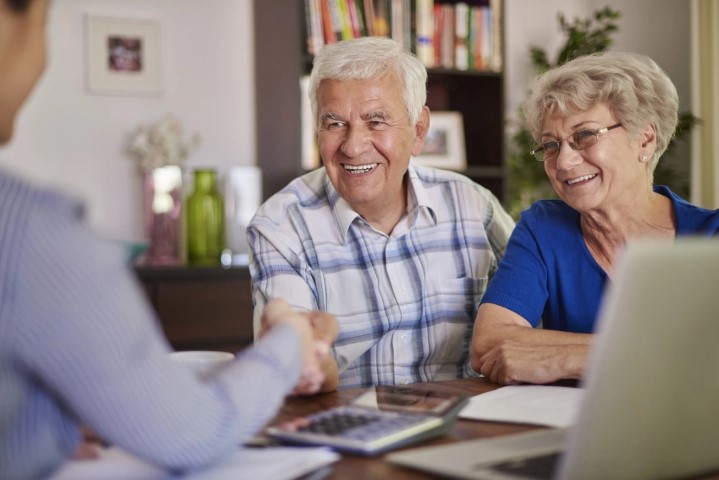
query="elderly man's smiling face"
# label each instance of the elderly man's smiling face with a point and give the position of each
(366, 140)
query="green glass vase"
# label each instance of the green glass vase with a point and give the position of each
(205, 220)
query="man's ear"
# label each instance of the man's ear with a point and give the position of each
(420, 131)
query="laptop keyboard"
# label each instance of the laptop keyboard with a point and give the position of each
(540, 467)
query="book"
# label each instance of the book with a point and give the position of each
(335, 19)
(327, 27)
(345, 21)
(315, 33)
(397, 21)
(496, 60)
(369, 16)
(424, 43)
(486, 37)
(382, 18)
(461, 36)
(438, 14)
(357, 13)
(447, 39)
(475, 37)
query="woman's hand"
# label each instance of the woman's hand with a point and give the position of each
(512, 362)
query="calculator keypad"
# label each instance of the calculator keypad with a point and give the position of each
(358, 423)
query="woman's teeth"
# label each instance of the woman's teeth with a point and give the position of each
(581, 179)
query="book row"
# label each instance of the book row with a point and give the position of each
(457, 35)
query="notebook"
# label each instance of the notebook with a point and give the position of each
(650, 409)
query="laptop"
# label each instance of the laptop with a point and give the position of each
(651, 405)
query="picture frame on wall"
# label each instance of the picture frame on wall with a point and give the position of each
(123, 55)
(444, 146)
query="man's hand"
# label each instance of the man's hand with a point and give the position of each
(317, 331)
(324, 326)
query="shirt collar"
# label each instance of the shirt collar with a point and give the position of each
(345, 215)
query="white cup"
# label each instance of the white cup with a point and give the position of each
(202, 362)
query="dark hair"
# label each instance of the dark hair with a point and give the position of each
(18, 5)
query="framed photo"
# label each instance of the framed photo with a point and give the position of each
(123, 55)
(444, 145)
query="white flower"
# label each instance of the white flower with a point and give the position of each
(161, 144)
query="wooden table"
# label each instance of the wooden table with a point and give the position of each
(358, 467)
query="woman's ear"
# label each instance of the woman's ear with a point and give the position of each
(421, 127)
(648, 139)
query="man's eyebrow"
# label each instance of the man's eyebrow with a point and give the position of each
(376, 115)
(329, 116)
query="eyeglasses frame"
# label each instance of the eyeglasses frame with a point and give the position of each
(596, 132)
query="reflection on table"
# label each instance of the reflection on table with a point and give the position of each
(357, 467)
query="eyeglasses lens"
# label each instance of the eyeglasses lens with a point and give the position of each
(583, 139)
(577, 141)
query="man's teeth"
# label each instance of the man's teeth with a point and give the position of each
(581, 179)
(360, 168)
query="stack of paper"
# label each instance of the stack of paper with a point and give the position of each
(280, 463)
(534, 404)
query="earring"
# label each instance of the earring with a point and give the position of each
(644, 158)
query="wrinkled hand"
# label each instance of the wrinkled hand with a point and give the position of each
(510, 363)
(317, 331)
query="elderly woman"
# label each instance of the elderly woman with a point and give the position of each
(602, 123)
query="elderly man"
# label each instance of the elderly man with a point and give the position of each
(401, 255)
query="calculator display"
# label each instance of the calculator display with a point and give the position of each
(408, 399)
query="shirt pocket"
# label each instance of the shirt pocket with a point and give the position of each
(450, 307)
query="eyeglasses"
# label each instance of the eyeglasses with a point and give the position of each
(577, 141)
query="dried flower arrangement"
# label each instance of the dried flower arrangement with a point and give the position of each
(161, 144)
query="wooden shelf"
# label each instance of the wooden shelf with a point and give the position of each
(201, 308)
(280, 61)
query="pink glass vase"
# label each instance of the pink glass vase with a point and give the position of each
(163, 210)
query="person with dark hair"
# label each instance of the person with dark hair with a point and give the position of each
(79, 344)
(601, 123)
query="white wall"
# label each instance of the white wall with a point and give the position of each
(74, 139)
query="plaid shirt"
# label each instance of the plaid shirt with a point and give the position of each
(405, 303)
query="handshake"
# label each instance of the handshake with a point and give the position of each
(317, 331)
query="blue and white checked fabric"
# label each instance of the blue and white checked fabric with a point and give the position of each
(406, 302)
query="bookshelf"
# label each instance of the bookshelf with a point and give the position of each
(281, 59)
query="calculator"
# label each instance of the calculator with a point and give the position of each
(383, 418)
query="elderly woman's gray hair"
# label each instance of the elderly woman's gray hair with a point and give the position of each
(370, 58)
(635, 88)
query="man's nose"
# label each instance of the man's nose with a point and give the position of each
(356, 142)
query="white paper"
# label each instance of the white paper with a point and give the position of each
(535, 404)
(277, 463)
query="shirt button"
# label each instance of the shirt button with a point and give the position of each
(404, 381)
(404, 337)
